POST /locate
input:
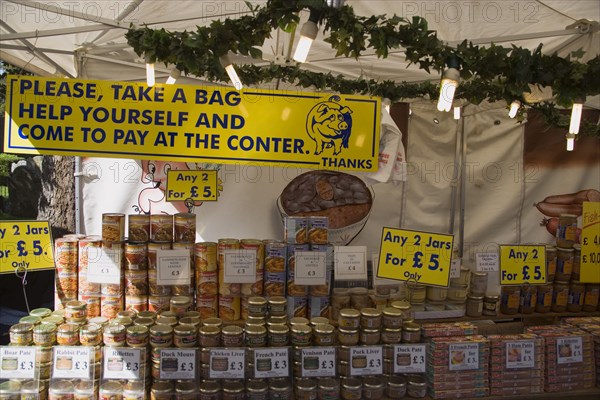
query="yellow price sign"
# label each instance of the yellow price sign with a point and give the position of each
(590, 243)
(25, 244)
(416, 256)
(521, 264)
(194, 185)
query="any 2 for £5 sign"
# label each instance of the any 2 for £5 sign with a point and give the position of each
(416, 256)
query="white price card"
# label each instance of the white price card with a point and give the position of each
(310, 268)
(17, 362)
(487, 262)
(271, 363)
(410, 358)
(463, 356)
(366, 360)
(318, 362)
(173, 267)
(177, 364)
(455, 267)
(122, 363)
(104, 265)
(227, 363)
(73, 362)
(240, 266)
(520, 354)
(350, 263)
(569, 350)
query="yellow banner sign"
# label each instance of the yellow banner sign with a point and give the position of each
(521, 264)
(590, 243)
(194, 185)
(408, 255)
(191, 123)
(25, 244)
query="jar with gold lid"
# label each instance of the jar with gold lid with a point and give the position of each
(415, 293)
(305, 389)
(391, 317)
(403, 306)
(278, 335)
(391, 335)
(396, 387)
(123, 320)
(373, 388)
(114, 335)
(370, 318)
(324, 335)
(44, 334)
(209, 336)
(411, 333)
(277, 306)
(359, 297)
(90, 335)
(299, 321)
(162, 390)
(75, 310)
(417, 386)
(161, 336)
(370, 336)
(41, 312)
(30, 319)
(232, 336)
(180, 304)
(257, 306)
(351, 389)
(67, 335)
(137, 336)
(147, 314)
(349, 318)
(348, 337)
(256, 336)
(212, 321)
(21, 334)
(301, 335)
(318, 320)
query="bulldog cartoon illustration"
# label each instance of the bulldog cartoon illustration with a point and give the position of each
(329, 124)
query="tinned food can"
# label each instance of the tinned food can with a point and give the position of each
(138, 228)
(161, 228)
(185, 227)
(113, 227)
(136, 256)
(257, 247)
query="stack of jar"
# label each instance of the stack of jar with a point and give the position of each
(65, 260)
(476, 296)
(458, 289)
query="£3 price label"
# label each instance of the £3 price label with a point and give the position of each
(194, 185)
(177, 364)
(417, 256)
(17, 362)
(409, 358)
(227, 363)
(318, 362)
(271, 363)
(72, 362)
(521, 264)
(122, 363)
(25, 244)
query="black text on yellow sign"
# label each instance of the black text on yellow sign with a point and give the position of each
(416, 256)
(590, 243)
(25, 244)
(195, 185)
(521, 264)
(192, 124)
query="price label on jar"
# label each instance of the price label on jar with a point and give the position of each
(227, 364)
(318, 362)
(569, 350)
(122, 363)
(590, 243)
(310, 268)
(240, 266)
(520, 354)
(17, 362)
(410, 358)
(25, 244)
(177, 364)
(366, 360)
(104, 265)
(521, 264)
(173, 267)
(271, 363)
(350, 263)
(73, 362)
(416, 256)
(195, 185)
(463, 356)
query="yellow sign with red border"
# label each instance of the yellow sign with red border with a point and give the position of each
(193, 185)
(590, 243)
(520, 264)
(408, 255)
(192, 123)
(25, 245)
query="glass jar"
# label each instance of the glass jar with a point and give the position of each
(44, 334)
(280, 389)
(133, 390)
(256, 336)
(328, 389)
(278, 335)
(359, 297)
(75, 310)
(478, 283)
(90, 335)
(351, 389)
(162, 390)
(564, 264)
(324, 335)
(550, 263)
(576, 274)
(348, 337)
(349, 318)
(111, 390)
(209, 336)
(257, 390)
(340, 299)
(576, 296)
(161, 336)
(544, 298)
(411, 333)
(370, 336)
(370, 318)
(435, 293)
(396, 387)
(21, 334)
(40, 312)
(417, 386)
(85, 390)
(299, 321)
(457, 293)
(560, 296)
(185, 336)
(391, 317)
(212, 321)
(490, 305)
(257, 306)
(528, 299)
(232, 336)
(180, 304)
(67, 335)
(566, 231)
(234, 390)
(415, 293)
(277, 306)
(592, 294)
(510, 299)
(474, 306)
(301, 335)
(391, 335)
(373, 388)
(61, 390)
(210, 390)
(305, 389)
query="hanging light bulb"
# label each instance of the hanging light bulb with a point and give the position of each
(514, 108)
(449, 84)
(308, 34)
(229, 68)
(570, 141)
(576, 116)
(456, 112)
(335, 3)
(387, 103)
(150, 74)
(173, 76)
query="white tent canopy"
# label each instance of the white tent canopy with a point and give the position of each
(85, 39)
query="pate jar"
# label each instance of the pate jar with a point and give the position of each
(324, 335)
(232, 336)
(21, 334)
(234, 390)
(391, 335)
(370, 336)
(560, 296)
(256, 336)
(137, 336)
(510, 299)
(528, 299)
(209, 336)
(301, 335)
(349, 318)
(185, 336)
(544, 298)
(257, 390)
(44, 334)
(490, 305)
(417, 386)
(90, 335)
(435, 293)
(391, 317)
(67, 335)
(114, 335)
(474, 306)
(351, 389)
(277, 306)
(396, 387)
(411, 333)
(347, 337)
(161, 336)
(373, 388)
(305, 389)
(278, 335)
(370, 318)
(328, 389)
(257, 306)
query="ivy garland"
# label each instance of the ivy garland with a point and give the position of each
(488, 73)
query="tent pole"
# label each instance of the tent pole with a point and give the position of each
(462, 194)
(455, 176)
